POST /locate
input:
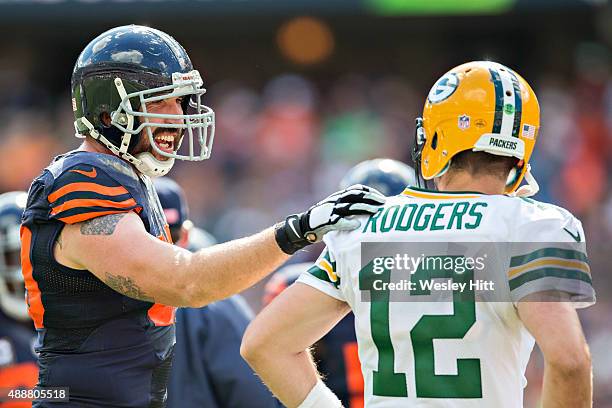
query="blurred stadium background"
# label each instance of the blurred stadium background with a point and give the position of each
(304, 89)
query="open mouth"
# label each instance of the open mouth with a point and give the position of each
(165, 143)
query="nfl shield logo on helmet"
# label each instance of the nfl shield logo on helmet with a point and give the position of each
(463, 122)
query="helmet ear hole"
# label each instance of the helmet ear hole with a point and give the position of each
(434, 141)
(105, 119)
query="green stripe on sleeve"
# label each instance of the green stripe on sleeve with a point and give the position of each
(549, 272)
(548, 253)
(319, 273)
(326, 255)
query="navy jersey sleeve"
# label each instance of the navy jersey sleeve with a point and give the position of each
(86, 191)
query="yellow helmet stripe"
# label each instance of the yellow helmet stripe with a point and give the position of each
(505, 122)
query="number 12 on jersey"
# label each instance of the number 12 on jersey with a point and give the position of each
(386, 382)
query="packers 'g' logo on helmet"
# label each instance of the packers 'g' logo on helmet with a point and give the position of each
(443, 88)
(479, 106)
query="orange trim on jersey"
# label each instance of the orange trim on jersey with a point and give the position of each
(87, 216)
(354, 377)
(36, 310)
(93, 187)
(92, 202)
(421, 194)
(162, 315)
(167, 234)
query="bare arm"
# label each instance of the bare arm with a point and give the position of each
(567, 371)
(119, 251)
(276, 342)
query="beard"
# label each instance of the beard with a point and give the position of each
(144, 144)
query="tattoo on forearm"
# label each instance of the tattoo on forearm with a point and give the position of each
(101, 225)
(127, 287)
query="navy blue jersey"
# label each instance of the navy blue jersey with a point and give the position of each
(336, 353)
(17, 357)
(208, 370)
(109, 349)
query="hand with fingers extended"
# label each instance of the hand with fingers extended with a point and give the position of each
(331, 214)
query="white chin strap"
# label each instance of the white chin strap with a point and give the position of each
(148, 165)
(529, 189)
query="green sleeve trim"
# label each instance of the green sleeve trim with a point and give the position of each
(548, 253)
(321, 274)
(549, 272)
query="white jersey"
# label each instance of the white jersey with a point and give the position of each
(458, 351)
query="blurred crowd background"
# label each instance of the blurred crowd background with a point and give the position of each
(304, 90)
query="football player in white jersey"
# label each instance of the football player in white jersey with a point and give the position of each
(470, 347)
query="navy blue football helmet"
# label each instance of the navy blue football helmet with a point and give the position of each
(12, 287)
(388, 176)
(122, 70)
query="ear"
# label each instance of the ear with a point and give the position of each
(105, 118)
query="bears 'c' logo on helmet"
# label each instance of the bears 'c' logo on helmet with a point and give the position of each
(443, 88)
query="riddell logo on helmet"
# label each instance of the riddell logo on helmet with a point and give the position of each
(504, 144)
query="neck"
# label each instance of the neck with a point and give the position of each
(463, 181)
(91, 145)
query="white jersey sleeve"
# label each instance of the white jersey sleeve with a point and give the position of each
(549, 255)
(323, 275)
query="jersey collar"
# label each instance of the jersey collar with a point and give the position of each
(431, 194)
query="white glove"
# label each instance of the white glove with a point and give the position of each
(330, 214)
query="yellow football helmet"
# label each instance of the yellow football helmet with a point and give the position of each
(479, 106)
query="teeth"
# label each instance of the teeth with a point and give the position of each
(165, 138)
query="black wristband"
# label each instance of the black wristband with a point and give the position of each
(288, 235)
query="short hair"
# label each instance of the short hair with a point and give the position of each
(482, 163)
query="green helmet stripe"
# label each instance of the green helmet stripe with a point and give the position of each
(499, 100)
(518, 105)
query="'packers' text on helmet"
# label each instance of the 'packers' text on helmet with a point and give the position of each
(122, 70)
(479, 106)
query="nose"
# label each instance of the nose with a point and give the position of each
(172, 107)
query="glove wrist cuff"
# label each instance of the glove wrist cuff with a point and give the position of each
(288, 235)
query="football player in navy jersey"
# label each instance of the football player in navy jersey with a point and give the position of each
(101, 275)
(336, 352)
(208, 370)
(18, 368)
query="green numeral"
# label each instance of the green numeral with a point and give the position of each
(466, 383)
(386, 381)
